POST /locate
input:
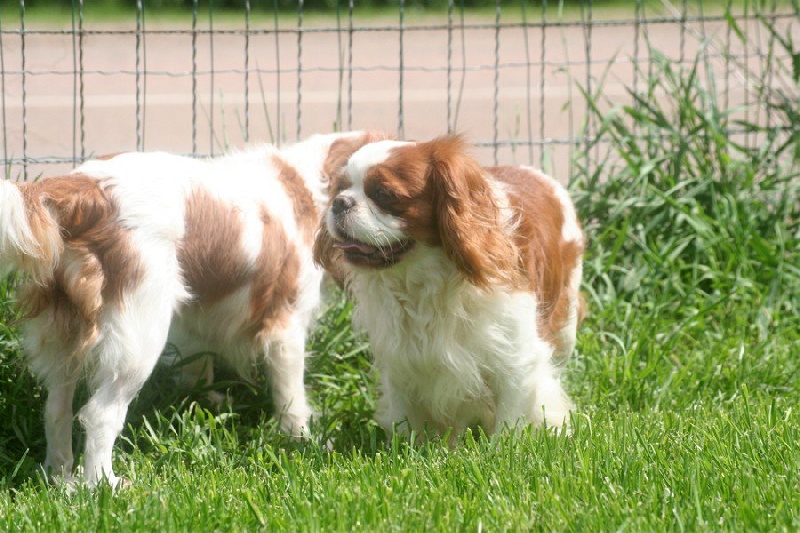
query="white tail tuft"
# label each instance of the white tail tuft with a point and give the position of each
(19, 246)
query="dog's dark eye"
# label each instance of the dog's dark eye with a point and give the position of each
(382, 195)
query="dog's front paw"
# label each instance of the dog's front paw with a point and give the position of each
(218, 402)
(101, 478)
(115, 482)
(61, 477)
(295, 424)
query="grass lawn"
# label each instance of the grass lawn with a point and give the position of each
(686, 376)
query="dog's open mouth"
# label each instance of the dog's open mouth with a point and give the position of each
(363, 254)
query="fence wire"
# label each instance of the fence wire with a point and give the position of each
(511, 79)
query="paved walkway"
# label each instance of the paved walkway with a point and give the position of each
(505, 86)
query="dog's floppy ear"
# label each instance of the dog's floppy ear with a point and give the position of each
(469, 221)
(328, 257)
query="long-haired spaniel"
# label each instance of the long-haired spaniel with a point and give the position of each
(466, 280)
(128, 252)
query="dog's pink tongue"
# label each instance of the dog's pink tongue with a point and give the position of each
(352, 245)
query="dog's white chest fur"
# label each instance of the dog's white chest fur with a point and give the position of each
(443, 348)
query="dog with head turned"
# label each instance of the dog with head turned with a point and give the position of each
(465, 279)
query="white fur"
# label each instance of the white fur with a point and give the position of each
(151, 190)
(368, 224)
(369, 156)
(15, 236)
(449, 354)
(18, 246)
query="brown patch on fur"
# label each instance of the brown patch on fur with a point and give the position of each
(214, 265)
(406, 174)
(94, 264)
(328, 257)
(442, 194)
(547, 259)
(305, 212)
(210, 253)
(46, 233)
(72, 299)
(341, 150)
(274, 290)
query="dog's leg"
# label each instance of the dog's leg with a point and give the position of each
(193, 365)
(513, 405)
(104, 414)
(537, 398)
(103, 417)
(394, 412)
(126, 356)
(286, 361)
(199, 372)
(196, 372)
(551, 404)
(58, 426)
(49, 347)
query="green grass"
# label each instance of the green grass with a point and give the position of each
(686, 377)
(263, 13)
(638, 471)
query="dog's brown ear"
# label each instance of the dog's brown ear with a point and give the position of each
(469, 221)
(327, 256)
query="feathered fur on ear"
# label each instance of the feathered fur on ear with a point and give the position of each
(469, 220)
(328, 257)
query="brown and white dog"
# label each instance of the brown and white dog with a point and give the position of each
(466, 280)
(127, 252)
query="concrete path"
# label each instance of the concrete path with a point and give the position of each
(508, 94)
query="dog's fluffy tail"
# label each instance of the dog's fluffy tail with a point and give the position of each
(30, 240)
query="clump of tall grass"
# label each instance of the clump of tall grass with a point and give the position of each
(693, 265)
(680, 208)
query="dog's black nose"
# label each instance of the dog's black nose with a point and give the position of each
(342, 204)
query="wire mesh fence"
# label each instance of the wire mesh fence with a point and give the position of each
(513, 79)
